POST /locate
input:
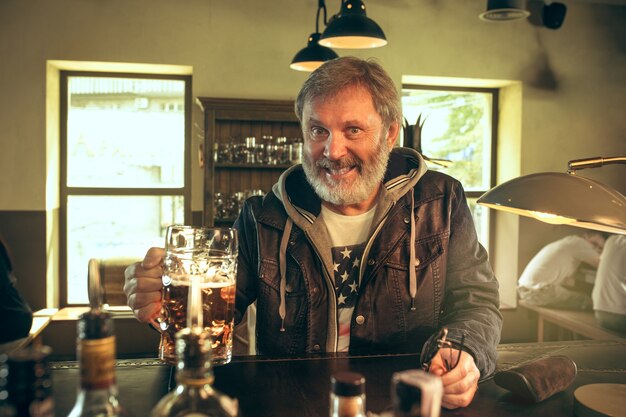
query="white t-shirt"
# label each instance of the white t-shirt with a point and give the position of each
(557, 261)
(609, 289)
(348, 235)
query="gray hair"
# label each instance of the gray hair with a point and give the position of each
(339, 73)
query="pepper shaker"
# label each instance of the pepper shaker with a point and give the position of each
(347, 395)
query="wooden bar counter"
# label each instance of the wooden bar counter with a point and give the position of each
(300, 387)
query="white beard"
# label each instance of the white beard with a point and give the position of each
(341, 193)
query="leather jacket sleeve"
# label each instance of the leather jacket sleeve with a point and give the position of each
(471, 301)
(247, 270)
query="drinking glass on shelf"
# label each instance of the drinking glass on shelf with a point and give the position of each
(250, 193)
(251, 150)
(271, 153)
(239, 152)
(259, 153)
(267, 141)
(282, 156)
(296, 151)
(219, 205)
(224, 152)
(207, 256)
(238, 199)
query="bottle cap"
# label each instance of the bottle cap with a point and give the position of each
(95, 324)
(347, 384)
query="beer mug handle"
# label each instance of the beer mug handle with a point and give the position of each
(161, 322)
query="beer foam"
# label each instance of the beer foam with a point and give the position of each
(204, 284)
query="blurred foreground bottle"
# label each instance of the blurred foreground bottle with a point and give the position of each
(416, 393)
(347, 395)
(25, 383)
(194, 394)
(97, 392)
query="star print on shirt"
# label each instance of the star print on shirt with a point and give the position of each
(346, 274)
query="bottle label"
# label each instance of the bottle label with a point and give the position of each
(97, 362)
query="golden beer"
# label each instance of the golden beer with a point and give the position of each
(218, 308)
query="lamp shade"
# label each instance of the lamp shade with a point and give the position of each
(352, 29)
(560, 198)
(313, 55)
(504, 10)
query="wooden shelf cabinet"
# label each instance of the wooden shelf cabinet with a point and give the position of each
(227, 119)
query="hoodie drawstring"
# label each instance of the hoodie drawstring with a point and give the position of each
(412, 263)
(282, 264)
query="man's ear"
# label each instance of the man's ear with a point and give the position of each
(392, 134)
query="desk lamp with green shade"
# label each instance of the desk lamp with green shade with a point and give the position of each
(573, 200)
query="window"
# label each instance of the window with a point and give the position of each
(124, 168)
(458, 130)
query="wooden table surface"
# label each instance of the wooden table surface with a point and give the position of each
(300, 386)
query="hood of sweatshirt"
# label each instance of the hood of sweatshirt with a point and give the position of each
(406, 166)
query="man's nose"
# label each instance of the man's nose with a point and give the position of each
(335, 147)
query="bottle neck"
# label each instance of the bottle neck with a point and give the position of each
(98, 395)
(194, 375)
(98, 399)
(193, 349)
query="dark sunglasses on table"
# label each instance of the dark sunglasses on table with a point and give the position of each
(451, 360)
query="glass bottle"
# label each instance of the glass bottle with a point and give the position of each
(194, 394)
(347, 395)
(25, 383)
(97, 392)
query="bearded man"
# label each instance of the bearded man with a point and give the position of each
(361, 248)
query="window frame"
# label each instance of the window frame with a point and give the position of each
(66, 191)
(495, 97)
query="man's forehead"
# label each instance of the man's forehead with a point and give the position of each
(362, 94)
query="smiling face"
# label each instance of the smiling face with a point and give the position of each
(346, 149)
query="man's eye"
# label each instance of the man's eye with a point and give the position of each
(354, 130)
(318, 131)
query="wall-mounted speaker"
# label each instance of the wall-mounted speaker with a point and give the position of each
(554, 15)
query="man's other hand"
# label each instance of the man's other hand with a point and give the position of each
(459, 384)
(143, 286)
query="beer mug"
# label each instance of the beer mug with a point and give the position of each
(207, 256)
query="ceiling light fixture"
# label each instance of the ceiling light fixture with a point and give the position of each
(564, 198)
(505, 10)
(313, 55)
(352, 29)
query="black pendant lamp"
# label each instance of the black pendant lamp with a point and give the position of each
(313, 55)
(352, 29)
